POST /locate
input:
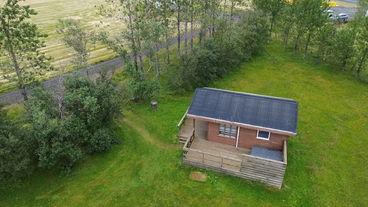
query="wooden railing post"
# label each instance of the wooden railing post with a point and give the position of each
(182, 120)
(285, 152)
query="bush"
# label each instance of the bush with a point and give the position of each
(15, 151)
(101, 141)
(64, 131)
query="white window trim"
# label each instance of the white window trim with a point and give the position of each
(269, 134)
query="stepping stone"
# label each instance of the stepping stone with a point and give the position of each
(198, 176)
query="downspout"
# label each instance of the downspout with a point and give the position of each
(237, 137)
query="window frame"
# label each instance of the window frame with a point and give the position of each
(230, 133)
(258, 137)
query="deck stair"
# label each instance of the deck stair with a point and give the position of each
(185, 128)
(185, 131)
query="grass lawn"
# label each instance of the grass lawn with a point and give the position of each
(326, 160)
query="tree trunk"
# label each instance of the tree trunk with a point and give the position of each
(157, 61)
(15, 61)
(213, 17)
(306, 46)
(223, 11)
(296, 42)
(343, 65)
(201, 29)
(231, 18)
(286, 40)
(186, 29)
(191, 26)
(275, 30)
(178, 18)
(166, 34)
(361, 64)
(206, 22)
(269, 37)
(132, 36)
(139, 53)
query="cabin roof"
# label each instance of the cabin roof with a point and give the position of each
(245, 108)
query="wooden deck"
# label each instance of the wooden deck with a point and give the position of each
(186, 130)
(233, 161)
(227, 159)
(216, 154)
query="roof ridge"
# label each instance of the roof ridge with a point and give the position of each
(252, 94)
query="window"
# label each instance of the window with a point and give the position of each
(263, 135)
(227, 130)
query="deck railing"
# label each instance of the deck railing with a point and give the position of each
(182, 121)
(268, 171)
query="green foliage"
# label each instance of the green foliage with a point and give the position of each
(142, 89)
(101, 141)
(15, 159)
(221, 54)
(78, 39)
(20, 43)
(256, 34)
(343, 49)
(63, 135)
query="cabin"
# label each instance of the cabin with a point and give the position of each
(240, 134)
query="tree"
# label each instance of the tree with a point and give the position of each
(272, 8)
(15, 151)
(315, 18)
(343, 46)
(20, 43)
(178, 8)
(78, 39)
(90, 109)
(191, 24)
(152, 32)
(362, 45)
(324, 38)
(287, 23)
(122, 10)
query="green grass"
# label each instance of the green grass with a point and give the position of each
(326, 160)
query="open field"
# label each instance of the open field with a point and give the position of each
(326, 160)
(49, 11)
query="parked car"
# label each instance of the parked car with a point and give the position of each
(343, 17)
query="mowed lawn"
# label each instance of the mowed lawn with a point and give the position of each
(327, 160)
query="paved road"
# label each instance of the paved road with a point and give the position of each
(340, 9)
(54, 83)
(17, 97)
(350, 1)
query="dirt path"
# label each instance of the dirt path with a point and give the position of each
(149, 138)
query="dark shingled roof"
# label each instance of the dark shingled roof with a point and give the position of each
(251, 109)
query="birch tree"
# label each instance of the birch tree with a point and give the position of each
(123, 10)
(79, 39)
(20, 44)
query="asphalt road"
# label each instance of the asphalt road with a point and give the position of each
(350, 1)
(340, 9)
